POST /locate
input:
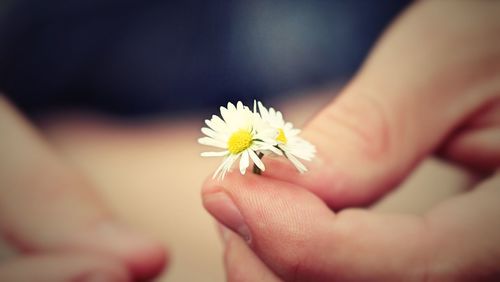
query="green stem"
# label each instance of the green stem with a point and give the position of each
(256, 169)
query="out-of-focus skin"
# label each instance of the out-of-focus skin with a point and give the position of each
(54, 221)
(431, 86)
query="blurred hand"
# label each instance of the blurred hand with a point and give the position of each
(51, 217)
(432, 85)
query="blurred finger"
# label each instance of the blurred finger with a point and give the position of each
(418, 194)
(62, 268)
(477, 143)
(46, 206)
(467, 233)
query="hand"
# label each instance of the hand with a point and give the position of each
(432, 85)
(54, 221)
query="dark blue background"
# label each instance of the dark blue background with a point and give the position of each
(132, 57)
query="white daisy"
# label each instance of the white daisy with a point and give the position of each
(288, 141)
(239, 133)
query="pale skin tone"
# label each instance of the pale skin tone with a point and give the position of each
(430, 87)
(294, 234)
(52, 218)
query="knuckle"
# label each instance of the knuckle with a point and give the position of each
(359, 121)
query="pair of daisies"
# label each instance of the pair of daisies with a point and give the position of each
(249, 135)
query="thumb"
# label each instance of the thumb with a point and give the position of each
(404, 103)
(300, 239)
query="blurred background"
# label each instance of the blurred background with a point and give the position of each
(120, 88)
(154, 57)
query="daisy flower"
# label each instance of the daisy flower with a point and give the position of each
(288, 141)
(240, 134)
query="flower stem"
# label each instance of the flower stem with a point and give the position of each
(256, 169)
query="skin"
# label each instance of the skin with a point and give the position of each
(430, 87)
(54, 222)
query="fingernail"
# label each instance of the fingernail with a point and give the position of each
(144, 256)
(221, 206)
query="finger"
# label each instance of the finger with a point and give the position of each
(419, 193)
(404, 102)
(476, 143)
(46, 206)
(467, 233)
(241, 264)
(61, 268)
(300, 239)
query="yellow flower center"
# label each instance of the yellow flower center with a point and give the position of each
(239, 141)
(281, 136)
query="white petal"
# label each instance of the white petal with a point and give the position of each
(231, 107)
(263, 111)
(229, 164)
(256, 160)
(279, 115)
(271, 148)
(226, 164)
(288, 126)
(244, 162)
(209, 132)
(212, 142)
(301, 148)
(267, 133)
(214, 154)
(220, 167)
(300, 167)
(239, 106)
(266, 142)
(271, 111)
(225, 113)
(292, 132)
(216, 123)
